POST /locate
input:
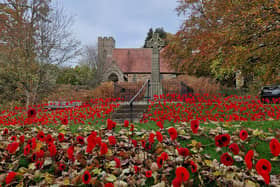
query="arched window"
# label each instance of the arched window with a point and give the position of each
(113, 77)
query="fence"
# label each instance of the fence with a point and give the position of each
(127, 90)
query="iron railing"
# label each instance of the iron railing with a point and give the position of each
(145, 85)
(125, 91)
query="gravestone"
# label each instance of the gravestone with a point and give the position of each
(156, 43)
(239, 80)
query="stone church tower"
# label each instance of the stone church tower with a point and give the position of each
(105, 55)
(105, 47)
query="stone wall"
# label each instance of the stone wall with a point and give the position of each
(167, 76)
(144, 77)
(137, 77)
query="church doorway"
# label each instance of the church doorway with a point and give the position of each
(113, 77)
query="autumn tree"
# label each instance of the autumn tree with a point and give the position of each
(219, 38)
(35, 37)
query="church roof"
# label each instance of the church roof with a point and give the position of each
(138, 60)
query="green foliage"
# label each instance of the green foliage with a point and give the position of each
(23, 162)
(150, 181)
(79, 75)
(226, 76)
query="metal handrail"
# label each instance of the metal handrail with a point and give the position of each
(147, 82)
(115, 89)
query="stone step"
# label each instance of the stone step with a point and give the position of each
(123, 112)
(134, 106)
(126, 115)
(127, 110)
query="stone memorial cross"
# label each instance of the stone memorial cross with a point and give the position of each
(156, 43)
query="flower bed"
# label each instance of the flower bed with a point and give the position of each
(82, 146)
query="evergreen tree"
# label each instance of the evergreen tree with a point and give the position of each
(160, 31)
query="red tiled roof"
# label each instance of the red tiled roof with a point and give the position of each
(138, 61)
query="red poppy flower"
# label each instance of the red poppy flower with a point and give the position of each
(194, 126)
(64, 121)
(134, 142)
(112, 140)
(80, 140)
(90, 147)
(70, 153)
(182, 174)
(234, 148)
(93, 134)
(32, 142)
(52, 149)
(243, 135)
(31, 113)
(131, 127)
(159, 136)
(40, 154)
(109, 124)
(172, 133)
(60, 137)
(149, 173)
(183, 151)
(12, 147)
(39, 164)
(10, 177)
(98, 140)
(274, 146)
(226, 159)
(136, 169)
(26, 150)
(49, 139)
(109, 185)
(34, 157)
(21, 139)
(248, 159)
(14, 138)
(6, 131)
(164, 155)
(222, 140)
(126, 123)
(159, 124)
(41, 136)
(152, 138)
(118, 162)
(103, 148)
(143, 143)
(193, 167)
(91, 139)
(61, 166)
(114, 124)
(176, 182)
(86, 177)
(263, 168)
(159, 161)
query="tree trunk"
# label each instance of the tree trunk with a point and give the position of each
(27, 99)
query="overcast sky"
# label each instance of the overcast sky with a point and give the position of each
(128, 21)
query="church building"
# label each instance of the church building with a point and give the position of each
(129, 64)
